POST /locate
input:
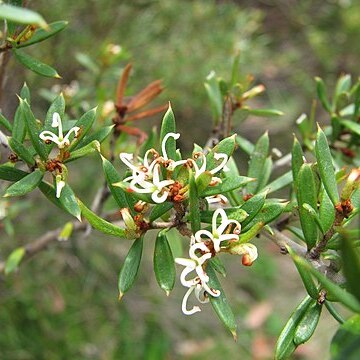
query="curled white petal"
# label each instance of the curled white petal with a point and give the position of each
(165, 139)
(158, 197)
(195, 309)
(218, 156)
(56, 120)
(59, 186)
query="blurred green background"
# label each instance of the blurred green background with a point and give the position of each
(63, 304)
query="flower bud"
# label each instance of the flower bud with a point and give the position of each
(128, 219)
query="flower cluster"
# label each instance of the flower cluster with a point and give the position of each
(62, 142)
(205, 245)
(147, 177)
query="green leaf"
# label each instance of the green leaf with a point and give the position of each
(263, 180)
(35, 65)
(307, 195)
(84, 123)
(253, 205)
(342, 85)
(285, 345)
(353, 126)
(84, 151)
(57, 106)
(307, 325)
(327, 173)
(269, 212)
(226, 185)
(69, 201)
(130, 267)
(5, 123)
(41, 34)
(33, 130)
(278, 184)
(226, 146)
(22, 16)
(203, 181)
(99, 135)
(160, 210)
(21, 151)
(25, 185)
(25, 93)
(14, 258)
(19, 126)
(168, 126)
(326, 211)
(214, 94)
(351, 265)
(257, 162)
(307, 279)
(100, 224)
(346, 342)
(220, 303)
(164, 266)
(218, 266)
(265, 112)
(297, 160)
(336, 291)
(123, 199)
(9, 173)
(194, 205)
(322, 94)
(245, 144)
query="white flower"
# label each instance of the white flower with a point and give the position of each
(199, 282)
(60, 184)
(60, 140)
(156, 187)
(218, 234)
(144, 170)
(217, 156)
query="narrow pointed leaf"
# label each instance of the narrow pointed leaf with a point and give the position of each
(257, 162)
(25, 185)
(99, 135)
(220, 303)
(130, 267)
(322, 94)
(307, 325)
(88, 149)
(351, 265)
(327, 173)
(285, 345)
(42, 34)
(218, 266)
(10, 173)
(352, 125)
(225, 146)
(281, 182)
(121, 197)
(164, 266)
(33, 129)
(336, 291)
(35, 65)
(265, 112)
(168, 126)
(307, 195)
(245, 145)
(57, 106)
(214, 94)
(236, 213)
(306, 277)
(203, 181)
(100, 224)
(5, 123)
(21, 151)
(160, 210)
(297, 160)
(266, 173)
(253, 205)
(326, 211)
(228, 184)
(84, 123)
(21, 15)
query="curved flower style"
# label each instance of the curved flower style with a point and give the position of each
(218, 234)
(60, 140)
(156, 187)
(171, 164)
(199, 170)
(199, 282)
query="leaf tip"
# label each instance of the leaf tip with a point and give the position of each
(121, 294)
(234, 334)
